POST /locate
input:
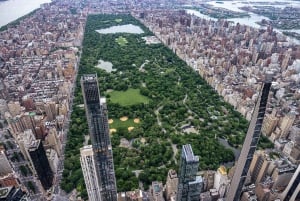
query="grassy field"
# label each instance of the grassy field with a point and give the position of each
(121, 41)
(129, 97)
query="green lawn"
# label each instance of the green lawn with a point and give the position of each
(121, 41)
(129, 97)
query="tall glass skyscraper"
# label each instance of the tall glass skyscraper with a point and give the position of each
(41, 164)
(189, 185)
(96, 113)
(250, 143)
(87, 161)
(292, 191)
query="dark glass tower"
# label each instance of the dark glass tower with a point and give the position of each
(96, 113)
(41, 164)
(250, 143)
(189, 185)
(292, 191)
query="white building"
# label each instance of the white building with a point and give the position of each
(5, 167)
(53, 159)
(89, 173)
(221, 181)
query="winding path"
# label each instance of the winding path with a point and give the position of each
(175, 150)
(156, 112)
(187, 107)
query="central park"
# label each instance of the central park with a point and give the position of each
(156, 103)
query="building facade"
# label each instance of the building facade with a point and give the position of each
(189, 185)
(221, 181)
(250, 143)
(41, 164)
(89, 171)
(171, 184)
(292, 191)
(156, 190)
(5, 167)
(96, 112)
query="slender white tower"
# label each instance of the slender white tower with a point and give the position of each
(89, 173)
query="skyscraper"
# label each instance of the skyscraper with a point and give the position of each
(41, 164)
(96, 113)
(189, 185)
(221, 181)
(250, 143)
(292, 191)
(171, 185)
(89, 171)
(5, 167)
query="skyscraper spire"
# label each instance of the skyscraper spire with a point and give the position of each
(251, 141)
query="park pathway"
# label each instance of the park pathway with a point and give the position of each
(156, 112)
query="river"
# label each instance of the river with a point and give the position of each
(13, 9)
(250, 21)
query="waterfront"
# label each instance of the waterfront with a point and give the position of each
(250, 21)
(13, 9)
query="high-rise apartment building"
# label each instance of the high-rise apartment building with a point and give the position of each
(41, 164)
(171, 184)
(286, 123)
(221, 181)
(5, 167)
(88, 166)
(33, 150)
(156, 190)
(189, 185)
(96, 112)
(250, 143)
(292, 191)
(259, 166)
(12, 194)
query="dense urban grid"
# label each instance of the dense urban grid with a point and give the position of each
(57, 142)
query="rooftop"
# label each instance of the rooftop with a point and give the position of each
(188, 152)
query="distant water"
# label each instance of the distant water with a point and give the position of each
(250, 21)
(128, 28)
(13, 9)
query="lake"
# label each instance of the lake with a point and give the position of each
(236, 151)
(128, 28)
(13, 9)
(105, 65)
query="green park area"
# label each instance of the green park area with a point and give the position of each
(128, 97)
(121, 41)
(165, 93)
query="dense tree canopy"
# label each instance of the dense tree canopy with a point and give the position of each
(178, 96)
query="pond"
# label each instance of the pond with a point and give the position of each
(105, 65)
(236, 151)
(128, 28)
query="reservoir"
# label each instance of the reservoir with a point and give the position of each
(128, 28)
